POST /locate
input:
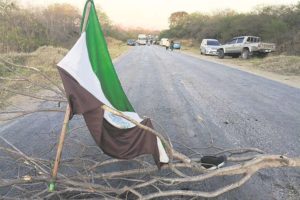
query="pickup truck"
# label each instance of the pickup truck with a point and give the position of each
(245, 46)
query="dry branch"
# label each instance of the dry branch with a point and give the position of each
(23, 79)
(82, 183)
(141, 181)
(44, 98)
(37, 71)
(22, 113)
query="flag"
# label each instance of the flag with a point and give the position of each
(90, 80)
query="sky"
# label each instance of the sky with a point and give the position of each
(154, 14)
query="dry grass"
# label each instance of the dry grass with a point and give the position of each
(286, 65)
(44, 58)
(279, 64)
(116, 47)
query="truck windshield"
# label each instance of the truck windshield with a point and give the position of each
(213, 43)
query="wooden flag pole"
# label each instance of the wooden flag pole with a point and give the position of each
(66, 121)
(87, 13)
(60, 148)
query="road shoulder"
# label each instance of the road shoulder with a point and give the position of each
(293, 81)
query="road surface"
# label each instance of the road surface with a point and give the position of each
(197, 102)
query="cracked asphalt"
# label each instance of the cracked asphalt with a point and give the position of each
(197, 103)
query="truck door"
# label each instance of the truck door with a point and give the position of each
(238, 47)
(231, 45)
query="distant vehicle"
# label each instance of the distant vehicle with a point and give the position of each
(177, 45)
(142, 39)
(245, 46)
(131, 42)
(150, 39)
(209, 47)
(155, 40)
(164, 42)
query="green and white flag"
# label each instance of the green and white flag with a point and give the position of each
(90, 81)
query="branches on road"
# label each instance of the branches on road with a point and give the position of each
(89, 173)
(89, 178)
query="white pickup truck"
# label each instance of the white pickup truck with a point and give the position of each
(245, 46)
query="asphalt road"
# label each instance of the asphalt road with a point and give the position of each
(196, 102)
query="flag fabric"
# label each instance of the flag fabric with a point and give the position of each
(90, 80)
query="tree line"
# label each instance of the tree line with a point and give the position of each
(278, 24)
(26, 29)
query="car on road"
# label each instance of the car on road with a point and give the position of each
(245, 46)
(209, 47)
(142, 39)
(164, 42)
(177, 45)
(131, 42)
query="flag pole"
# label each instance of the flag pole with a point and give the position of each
(66, 121)
(59, 148)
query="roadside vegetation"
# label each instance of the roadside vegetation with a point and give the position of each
(39, 38)
(277, 24)
(45, 59)
(27, 29)
(281, 64)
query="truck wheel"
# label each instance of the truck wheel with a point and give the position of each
(245, 54)
(221, 53)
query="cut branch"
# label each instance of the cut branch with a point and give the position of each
(22, 113)
(22, 79)
(36, 70)
(258, 163)
(44, 98)
(199, 193)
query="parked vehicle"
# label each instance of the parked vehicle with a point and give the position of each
(164, 42)
(245, 46)
(176, 45)
(142, 39)
(209, 47)
(131, 42)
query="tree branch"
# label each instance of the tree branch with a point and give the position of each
(44, 98)
(36, 70)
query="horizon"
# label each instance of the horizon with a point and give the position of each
(133, 14)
